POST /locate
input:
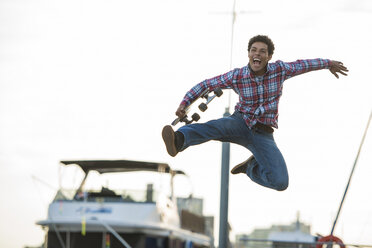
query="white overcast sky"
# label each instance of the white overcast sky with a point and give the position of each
(99, 79)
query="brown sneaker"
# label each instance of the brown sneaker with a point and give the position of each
(169, 138)
(242, 167)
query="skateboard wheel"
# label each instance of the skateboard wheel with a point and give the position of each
(195, 117)
(203, 107)
(218, 92)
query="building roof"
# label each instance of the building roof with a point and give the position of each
(297, 236)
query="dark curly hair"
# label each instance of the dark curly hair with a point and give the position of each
(265, 39)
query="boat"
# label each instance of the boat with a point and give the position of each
(109, 218)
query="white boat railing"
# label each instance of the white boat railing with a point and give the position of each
(269, 243)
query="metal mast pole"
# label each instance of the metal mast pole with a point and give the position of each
(224, 198)
(225, 164)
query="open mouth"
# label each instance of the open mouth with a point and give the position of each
(256, 61)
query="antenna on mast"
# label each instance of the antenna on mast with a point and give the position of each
(234, 14)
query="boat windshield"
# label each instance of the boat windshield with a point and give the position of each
(107, 195)
(143, 187)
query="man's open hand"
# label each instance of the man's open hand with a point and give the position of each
(338, 67)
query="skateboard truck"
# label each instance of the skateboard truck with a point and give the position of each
(202, 106)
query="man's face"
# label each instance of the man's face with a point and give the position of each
(259, 57)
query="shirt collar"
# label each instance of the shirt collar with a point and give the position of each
(269, 68)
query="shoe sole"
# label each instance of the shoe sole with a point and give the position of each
(236, 168)
(169, 138)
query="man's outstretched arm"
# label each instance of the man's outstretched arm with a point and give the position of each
(337, 67)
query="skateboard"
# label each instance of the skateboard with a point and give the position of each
(202, 106)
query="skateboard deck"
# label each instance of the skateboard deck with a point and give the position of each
(202, 106)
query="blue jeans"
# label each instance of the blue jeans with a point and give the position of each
(267, 167)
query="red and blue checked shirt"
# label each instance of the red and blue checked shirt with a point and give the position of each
(258, 95)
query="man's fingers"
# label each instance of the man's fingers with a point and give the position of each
(180, 113)
(334, 73)
(342, 68)
(343, 72)
(337, 65)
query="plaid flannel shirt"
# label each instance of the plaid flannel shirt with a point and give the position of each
(258, 95)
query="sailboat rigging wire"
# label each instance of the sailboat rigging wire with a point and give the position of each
(35, 178)
(59, 237)
(111, 230)
(351, 174)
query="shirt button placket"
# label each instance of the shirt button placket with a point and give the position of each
(260, 94)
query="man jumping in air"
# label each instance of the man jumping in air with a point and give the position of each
(259, 86)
